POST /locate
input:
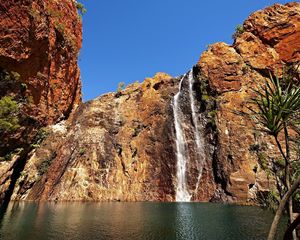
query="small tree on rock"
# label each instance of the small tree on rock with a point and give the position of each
(277, 110)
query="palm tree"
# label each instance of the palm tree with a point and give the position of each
(277, 111)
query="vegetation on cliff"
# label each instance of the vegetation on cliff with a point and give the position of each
(239, 29)
(39, 77)
(80, 7)
(9, 111)
(278, 112)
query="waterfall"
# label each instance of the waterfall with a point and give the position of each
(182, 190)
(182, 194)
(198, 138)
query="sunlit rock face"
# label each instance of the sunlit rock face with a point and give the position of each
(117, 147)
(39, 44)
(270, 38)
(40, 40)
(122, 146)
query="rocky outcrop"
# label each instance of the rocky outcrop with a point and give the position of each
(117, 147)
(40, 41)
(269, 41)
(278, 28)
(122, 147)
(39, 45)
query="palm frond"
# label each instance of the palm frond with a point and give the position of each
(278, 101)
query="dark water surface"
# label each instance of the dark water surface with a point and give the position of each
(145, 221)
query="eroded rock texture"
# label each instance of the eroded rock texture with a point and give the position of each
(121, 146)
(117, 147)
(40, 40)
(39, 44)
(271, 39)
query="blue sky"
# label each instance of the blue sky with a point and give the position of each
(129, 40)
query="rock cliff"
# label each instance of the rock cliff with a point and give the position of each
(122, 146)
(39, 45)
(269, 39)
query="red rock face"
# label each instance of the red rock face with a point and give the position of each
(39, 44)
(118, 147)
(40, 40)
(270, 39)
(279, 27)
(222, 65)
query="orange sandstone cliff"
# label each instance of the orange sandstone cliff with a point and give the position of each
(122, 146)
(39, 45)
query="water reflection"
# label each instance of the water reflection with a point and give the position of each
(146, 221)
(184, 222)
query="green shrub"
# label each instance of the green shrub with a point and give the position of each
(8, 80)
(272, 200)
(33, 12)
(239, 29)
(54, 86)
(80, 7)
(81, 151)
(296, 195)
(53, 13)
(254, 147)
(40, 137)
(121, 86)
(29, 100)
(203, 85)
(212, 113)
(68, 38)
(211, 123)
(23, 174)
(280, 162)
(60, 27)
(263, 161)
(295, 168)
(9, 110)
(43, 168)
(44, 165)
(206, 97)
(8, 156)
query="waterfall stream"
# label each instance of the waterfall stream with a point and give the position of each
(182, 189)
(198, 138)
(182, 194)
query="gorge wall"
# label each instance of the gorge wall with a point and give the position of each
(39, 76)
(122, 146)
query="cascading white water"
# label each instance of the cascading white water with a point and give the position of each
(182, 191)
(198, 138)
(182, 194)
